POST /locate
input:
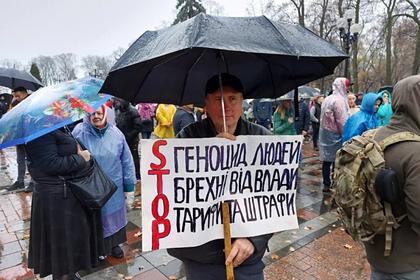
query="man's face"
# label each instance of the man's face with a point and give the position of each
(97, 117)
(18, 96)
(377, 104)
(233, 106)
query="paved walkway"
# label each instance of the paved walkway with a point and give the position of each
(317, 250)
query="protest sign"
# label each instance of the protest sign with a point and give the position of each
(185, 181)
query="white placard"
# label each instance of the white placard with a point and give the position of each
(185, 181)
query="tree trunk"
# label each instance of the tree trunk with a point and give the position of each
(355, 47)
(416, 62)
(302, 15)
(388, 51)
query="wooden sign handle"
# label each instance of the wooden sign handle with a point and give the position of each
(228, 241)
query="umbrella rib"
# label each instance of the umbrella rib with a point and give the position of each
(282, 39)
(188, 72)
(271, 72)
(153, 68)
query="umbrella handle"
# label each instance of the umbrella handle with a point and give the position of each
(77, 141)
(222, 100)
(227, 239)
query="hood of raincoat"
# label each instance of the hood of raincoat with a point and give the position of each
(368, 102)
(339, 87)
(406, 105)
(381, 94)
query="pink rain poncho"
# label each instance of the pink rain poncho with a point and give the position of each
(334, 113)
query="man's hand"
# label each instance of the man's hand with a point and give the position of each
(304, 132)
(226, 135)
(242, 248)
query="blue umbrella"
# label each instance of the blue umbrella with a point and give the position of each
(50, 108)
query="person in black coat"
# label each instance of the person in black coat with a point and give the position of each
(184, 115)
(207, 261)
(315, 114)
(302, 124)
(128, 120)
(64, 237)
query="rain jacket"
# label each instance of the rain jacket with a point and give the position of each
(128, 122)
(363, 120)
(303, 122)
(334, 113)
(208, 260)
(164, 117)
(182, 118)
(384, 113)
(282, 126)
(146, 112)
(111, 151)
(262, 110)
(404, 159)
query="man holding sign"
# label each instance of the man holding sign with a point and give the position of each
(208, 261)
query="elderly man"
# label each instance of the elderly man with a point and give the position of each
(207, 262)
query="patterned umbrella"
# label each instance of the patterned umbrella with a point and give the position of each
(50, 108)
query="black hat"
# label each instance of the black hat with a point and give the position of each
(228, 80)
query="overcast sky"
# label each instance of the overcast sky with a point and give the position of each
(29, 28)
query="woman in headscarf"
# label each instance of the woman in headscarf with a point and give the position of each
(365, 119)
(334, 113)
(384, 113)
(108, 146)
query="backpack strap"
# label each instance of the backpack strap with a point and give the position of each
(390, 222)
(398, 137)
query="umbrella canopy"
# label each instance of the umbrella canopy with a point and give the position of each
(13, 78)
(305, 92)
(172, 65)
(49, 109)
(308, 92)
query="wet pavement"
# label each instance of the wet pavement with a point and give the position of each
(319, 249)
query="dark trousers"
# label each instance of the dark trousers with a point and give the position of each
(327, 173)
(315, 133)
(21, 162)
(146, 135)
(134, 149)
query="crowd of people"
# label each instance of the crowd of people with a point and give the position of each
(65, 238)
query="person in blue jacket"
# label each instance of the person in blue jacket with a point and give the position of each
(365, 119)
(108, 146)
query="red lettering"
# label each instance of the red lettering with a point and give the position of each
(156, 235)
(157, 169)
(158, 154)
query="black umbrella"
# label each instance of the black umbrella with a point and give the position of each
(172, 65)
(13, 78)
